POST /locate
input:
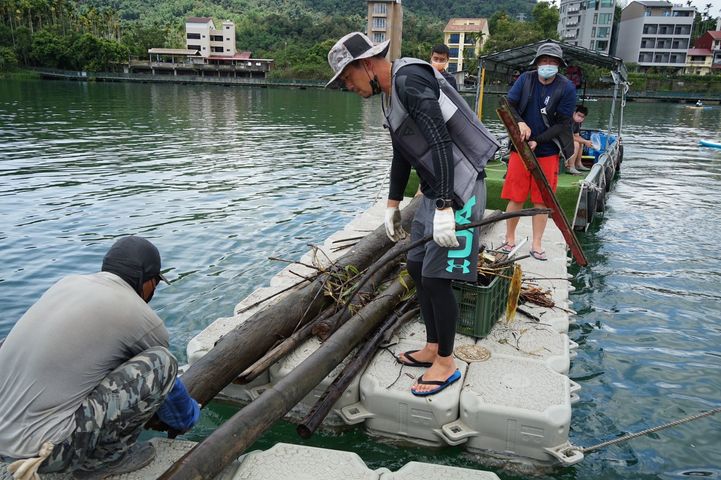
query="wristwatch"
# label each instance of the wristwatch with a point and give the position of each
(443, 203)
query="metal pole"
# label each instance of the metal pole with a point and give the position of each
(613, 104)
(623, 105)
(481, 82)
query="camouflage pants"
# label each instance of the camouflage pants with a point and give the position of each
(110, 419)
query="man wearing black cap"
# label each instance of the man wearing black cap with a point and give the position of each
(545, 101)
(433, 130)
(86, 367)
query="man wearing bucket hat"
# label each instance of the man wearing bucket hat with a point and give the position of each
(544, 101)
(86, 367)
(434, 131)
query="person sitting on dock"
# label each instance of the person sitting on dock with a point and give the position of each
(86, 367)
(426, 137)
(544, 102)
(439, 59)
(575, 165)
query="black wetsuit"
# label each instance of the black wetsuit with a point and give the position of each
(418, 90)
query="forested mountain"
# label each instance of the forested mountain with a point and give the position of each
(98, 34)
(169, 10)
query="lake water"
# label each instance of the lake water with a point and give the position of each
(221, 178)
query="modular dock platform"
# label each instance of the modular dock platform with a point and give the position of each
(513, 408)
(285, 461)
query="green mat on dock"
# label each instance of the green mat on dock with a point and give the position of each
(569, 186)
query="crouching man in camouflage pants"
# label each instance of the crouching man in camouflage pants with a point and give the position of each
(86, 368)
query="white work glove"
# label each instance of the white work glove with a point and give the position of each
(394, 230)
(444, 228)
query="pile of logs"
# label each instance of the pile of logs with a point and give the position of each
(376, 299)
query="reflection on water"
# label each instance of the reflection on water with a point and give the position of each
(222, 178)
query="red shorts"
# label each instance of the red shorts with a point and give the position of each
(519, 181)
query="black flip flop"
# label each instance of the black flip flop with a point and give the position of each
(413, 362)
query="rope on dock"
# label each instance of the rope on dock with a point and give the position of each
(630, 436)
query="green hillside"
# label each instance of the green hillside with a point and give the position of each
(101, 34)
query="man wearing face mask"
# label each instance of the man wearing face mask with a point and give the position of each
(439, 59)
(434, 131)
(86, 367)
(544, 101)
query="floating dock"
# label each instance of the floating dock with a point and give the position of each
(513, 407)
(285, 461)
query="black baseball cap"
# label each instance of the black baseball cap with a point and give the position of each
(134, 259)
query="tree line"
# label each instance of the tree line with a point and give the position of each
(102, 34)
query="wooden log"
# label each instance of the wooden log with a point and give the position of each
(208, 458)
(334, 391)
(279, 351)
(242, 346)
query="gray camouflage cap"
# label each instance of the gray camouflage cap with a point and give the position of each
(550, 49)
(350, 48)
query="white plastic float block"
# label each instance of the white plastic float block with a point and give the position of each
(415, 331)
(559, 320)
(514, 406)
(429, 471)
(286, 365)
(167, 452)
(391, 410)
(528, 339)
(295, 462)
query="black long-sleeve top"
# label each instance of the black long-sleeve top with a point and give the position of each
(418, 91)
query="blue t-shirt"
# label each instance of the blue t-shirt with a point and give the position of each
(540, 96)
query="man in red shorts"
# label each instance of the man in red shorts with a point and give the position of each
(544, 101)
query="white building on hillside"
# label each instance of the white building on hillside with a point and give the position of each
(201, 35)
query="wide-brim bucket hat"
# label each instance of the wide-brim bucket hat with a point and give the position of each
(350, 48)
(549, 49)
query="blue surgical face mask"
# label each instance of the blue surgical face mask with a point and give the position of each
(547, 71)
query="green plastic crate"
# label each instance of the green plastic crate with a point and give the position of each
(479, 306)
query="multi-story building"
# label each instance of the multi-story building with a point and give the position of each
(587, 23)
(209, 52)
(385, 22)
(655, 34)
(201, 35)
(465, 38)
(706, 54)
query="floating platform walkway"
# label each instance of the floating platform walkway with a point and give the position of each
(285, 461)
(514, 406)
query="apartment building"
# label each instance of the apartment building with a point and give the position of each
(587, 23)
(655, 34)
(201, 35)
(465, 38)
(385, 22)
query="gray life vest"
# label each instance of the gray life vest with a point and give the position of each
(564, 141)
(473, 145)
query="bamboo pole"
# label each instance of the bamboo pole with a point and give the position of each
(320, 410)
(208, 458)
(279, 351)
(242, 346)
